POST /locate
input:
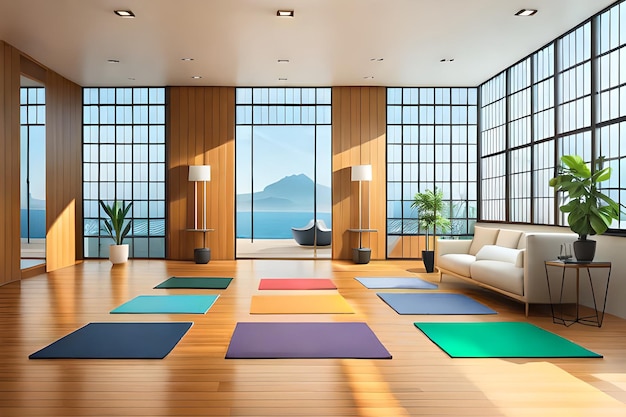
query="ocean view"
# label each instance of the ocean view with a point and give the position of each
(274, 224)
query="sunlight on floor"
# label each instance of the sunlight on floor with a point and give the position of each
(383, 403)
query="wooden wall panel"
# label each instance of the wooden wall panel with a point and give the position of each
(64, 207)
(201, 130)
(359, 137)
(63, 164)
(9, 163)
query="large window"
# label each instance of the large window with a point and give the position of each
(32, 168)
(124, 159)
(567, 98)
(431, 143)
(283, 138)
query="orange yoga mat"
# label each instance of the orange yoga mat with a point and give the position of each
(296, 284)
(300, 304)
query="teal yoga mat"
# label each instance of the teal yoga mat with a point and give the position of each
(501, 340)
(167, 304)
(211, 283)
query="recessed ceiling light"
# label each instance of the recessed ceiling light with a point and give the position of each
(526, 12)
(186, 59)
(196, 77)
(285, 13)
(376, 59)
(113, 61)
(128, 14)
(283, 61)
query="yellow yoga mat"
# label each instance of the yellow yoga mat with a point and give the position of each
(300, 304)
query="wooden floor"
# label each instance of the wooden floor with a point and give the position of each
(196, 380)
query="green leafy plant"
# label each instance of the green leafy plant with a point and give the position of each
(430, 208)
(115, 225)
(589, 211)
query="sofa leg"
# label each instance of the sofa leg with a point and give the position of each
(527, 306)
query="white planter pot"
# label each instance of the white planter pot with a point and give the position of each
(118, 254)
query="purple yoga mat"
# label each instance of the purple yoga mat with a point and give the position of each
(305, 340)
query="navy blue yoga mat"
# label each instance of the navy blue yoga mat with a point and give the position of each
(116, 341)
(396, 282)
(305, 340)
(434, 303)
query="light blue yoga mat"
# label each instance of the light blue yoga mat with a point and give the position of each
(434, 303)
(396, 282)
(167, 304)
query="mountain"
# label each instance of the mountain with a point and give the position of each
(291, 193)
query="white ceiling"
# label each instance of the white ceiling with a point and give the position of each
(328, 42)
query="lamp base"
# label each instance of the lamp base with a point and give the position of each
(202, 255)
(361, 255)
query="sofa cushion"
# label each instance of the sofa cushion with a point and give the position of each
(509, 238)
(499, 253)
(482, 236)
(503, 275)
(458, 263)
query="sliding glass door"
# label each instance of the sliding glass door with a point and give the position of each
(283, 173)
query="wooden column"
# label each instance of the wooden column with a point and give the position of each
(359, 137)
(201, 131)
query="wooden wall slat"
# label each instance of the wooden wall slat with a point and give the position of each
(359, 137)
(64, 244)
(201, 130)
(10, 162)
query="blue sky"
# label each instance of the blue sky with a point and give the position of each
(280, 151)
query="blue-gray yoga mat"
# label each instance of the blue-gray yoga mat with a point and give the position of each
(396, 282)
(305, 340)
(167, 304)
(434, 303)
(116, 341)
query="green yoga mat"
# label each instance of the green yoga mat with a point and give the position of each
(167, 304)
(211, 283)
(501, 340)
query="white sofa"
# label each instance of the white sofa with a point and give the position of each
(508, 261)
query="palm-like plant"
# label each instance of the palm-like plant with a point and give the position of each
(117, 214)
(430, 208)
(590, 211)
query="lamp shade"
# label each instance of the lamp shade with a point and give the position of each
(362, 173)
(199, 172)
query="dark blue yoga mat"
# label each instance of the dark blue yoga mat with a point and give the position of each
(396, 282)
(305, 340)
(434, 303)
(116, 341)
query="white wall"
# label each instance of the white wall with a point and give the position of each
(608, 248)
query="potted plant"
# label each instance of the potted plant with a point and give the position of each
(430, 214)
(590, 212)
(118, 253)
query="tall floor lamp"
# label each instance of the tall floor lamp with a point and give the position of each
(361, 173)
(200, 173)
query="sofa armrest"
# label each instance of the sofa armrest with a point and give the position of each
(541, 247)
(445, 246)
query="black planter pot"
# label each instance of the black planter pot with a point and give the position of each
(202, 255)
(585, 250)
(428, 256)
